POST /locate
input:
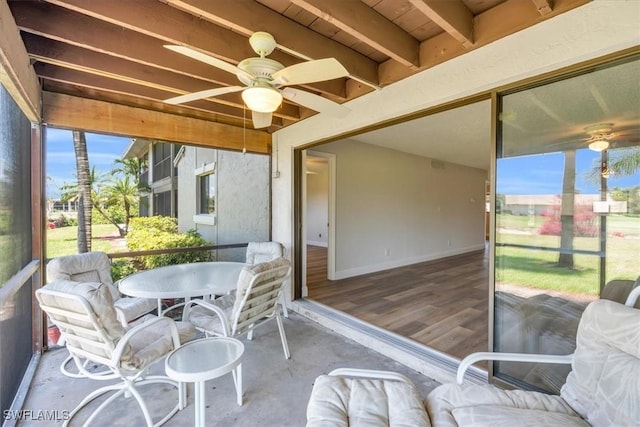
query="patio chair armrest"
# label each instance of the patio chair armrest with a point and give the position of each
(632, 297)
(209, 306)
(124, 341)
(369, 373)
(120, 315)
(509, 357)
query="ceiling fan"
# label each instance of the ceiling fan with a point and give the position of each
(266, 80)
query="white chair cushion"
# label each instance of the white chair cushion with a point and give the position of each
(133, 308)
(248, 273)
(357, 402)
(86, 267)
(451, 405)
(186, 330)
(206, 319)
(99, 299)
(258, 252)
(604, 384)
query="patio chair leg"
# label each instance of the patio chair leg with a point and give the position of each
(283, 336)
(250, 333)
(285, 310)
(237, 380)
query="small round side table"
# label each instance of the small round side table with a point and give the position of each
(201, 360)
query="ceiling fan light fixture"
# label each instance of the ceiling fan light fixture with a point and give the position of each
(262, 99)
(599, 144)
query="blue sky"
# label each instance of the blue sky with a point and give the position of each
(542, 174)
(61, 161)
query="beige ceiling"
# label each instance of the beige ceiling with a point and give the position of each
(113, 50)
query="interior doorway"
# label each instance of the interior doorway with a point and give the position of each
(319, 194)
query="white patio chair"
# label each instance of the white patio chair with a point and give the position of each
(96, 267)
(258, 252)
(254, 301)
(87, 320)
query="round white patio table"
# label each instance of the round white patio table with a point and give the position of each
(183, 281)
(201, 360)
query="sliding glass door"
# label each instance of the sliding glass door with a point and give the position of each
(567, 211)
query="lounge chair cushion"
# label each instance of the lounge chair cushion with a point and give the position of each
(604, 383)
(451, 405)
(357, 402)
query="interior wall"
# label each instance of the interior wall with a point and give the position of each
(590, 31)
(318, 206)
(396, 209)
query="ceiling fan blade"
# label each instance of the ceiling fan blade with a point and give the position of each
(203, 94)
(261, 120)
(315, 102)
(208, 59)
(309, 72)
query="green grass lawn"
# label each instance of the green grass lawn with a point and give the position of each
(64, 240)
(537, 268)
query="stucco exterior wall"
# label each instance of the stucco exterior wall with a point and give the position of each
(242, 198)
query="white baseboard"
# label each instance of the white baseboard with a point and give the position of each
(373, 268)
(316, 243)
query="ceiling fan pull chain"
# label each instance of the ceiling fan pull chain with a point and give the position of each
(244, 129)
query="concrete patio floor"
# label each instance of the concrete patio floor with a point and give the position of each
(276, 390)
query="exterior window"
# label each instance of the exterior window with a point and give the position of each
(207, 194)
(162, 203)
(162, 162)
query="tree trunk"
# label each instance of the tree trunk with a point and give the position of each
(566, 210)
(84, 192)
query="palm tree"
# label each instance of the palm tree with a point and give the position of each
(565, 258)
(84, 191)
(117, 191)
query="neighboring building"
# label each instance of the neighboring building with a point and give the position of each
(538, 204)
(160, 174)
(224, 195)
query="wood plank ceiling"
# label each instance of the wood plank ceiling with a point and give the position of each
(113, 51)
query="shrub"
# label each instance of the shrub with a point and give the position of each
(63, 220)
(152, 233)
(584, 221)
(121, 268)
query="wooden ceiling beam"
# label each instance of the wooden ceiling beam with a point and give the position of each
(368, 26)
(79, 59)
(495, 23)
(71, 112)
(79, 78)
(86, 32)
(174, 26)
(16, 73)
(453, 16)
(544, 7)
(249, 16)
(136, 101)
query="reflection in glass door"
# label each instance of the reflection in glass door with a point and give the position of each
(567, 212)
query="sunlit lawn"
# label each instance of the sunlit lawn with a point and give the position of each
(537, 268)
(64, 240)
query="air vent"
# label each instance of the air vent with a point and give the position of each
(437, 164)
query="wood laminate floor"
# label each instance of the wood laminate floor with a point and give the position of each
(442, 304)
